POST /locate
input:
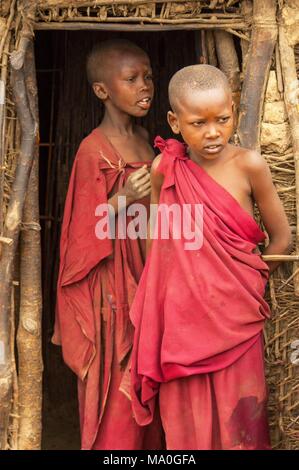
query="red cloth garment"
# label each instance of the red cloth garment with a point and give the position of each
(197, 313)
(96, 285)
(222, 410)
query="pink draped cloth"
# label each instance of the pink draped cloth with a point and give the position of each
(198, 318)
(97, 283)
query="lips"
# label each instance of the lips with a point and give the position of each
(213, 148)
(144, 103)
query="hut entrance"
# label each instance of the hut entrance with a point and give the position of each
(68, 111)
(255, 42)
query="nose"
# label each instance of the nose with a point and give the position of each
(144, 84)
(212, 132)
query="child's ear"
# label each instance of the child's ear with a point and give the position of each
(173, 122)
(100, 90)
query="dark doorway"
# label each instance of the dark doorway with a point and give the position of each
(68, 112)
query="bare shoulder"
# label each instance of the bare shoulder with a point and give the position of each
(251, 161)
(143, 133)
(155, 164)
(257, 172)
(157, 177)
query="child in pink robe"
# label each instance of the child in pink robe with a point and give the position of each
(199, 313)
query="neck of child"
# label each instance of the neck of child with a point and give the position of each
(117, 124)
(207, 161)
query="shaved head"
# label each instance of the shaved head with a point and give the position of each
(103, 52)
(199, 77)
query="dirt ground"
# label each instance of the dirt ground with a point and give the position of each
(61, 427)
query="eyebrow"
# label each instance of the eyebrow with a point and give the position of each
(219, 116)
(133, 67)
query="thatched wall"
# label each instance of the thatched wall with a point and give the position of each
(268, 118)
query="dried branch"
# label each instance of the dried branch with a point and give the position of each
(11, 230)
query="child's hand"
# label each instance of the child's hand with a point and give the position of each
(138, 184)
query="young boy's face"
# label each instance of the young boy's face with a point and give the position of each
(205, 121)
(128, 84)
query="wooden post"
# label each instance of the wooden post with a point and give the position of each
(3, 84)
(11, 230)
(227, 58)
(203, 46)
(288, 37)
(200, 47)
(211, 48)
(4, 50)
(229, 64)
(246, 9)
(263, 39)
(30, 365)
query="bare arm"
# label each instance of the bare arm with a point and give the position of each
(157, 179)
(270, 207)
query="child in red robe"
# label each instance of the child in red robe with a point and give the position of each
(98, 276)
(199, 310)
